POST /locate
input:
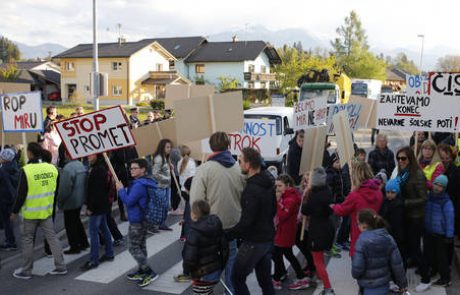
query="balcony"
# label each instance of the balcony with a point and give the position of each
(248, 76)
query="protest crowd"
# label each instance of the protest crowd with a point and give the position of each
(389, 210)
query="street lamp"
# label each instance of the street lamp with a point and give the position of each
(421, 52)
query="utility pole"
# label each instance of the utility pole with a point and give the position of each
(95, 76)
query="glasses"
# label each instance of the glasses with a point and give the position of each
(401, 158)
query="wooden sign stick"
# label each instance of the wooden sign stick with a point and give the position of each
(109, 164)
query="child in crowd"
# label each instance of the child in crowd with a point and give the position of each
(439, 226)
(360, 154)
(288, 204)
(376, 257)
(206, 250)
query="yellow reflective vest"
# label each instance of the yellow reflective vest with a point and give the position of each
(428, 170)
(457, 160)
(41, 185)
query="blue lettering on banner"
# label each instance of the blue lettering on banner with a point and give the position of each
(258, 129)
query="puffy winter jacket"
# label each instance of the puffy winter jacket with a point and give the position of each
(415, 195)
(368, 195)
(439, 215)
(376, 258)
(382, 159)
(293, 161)
(203, 252)
(136, 198)
(393, 213)
(72, 185)
(286, 218)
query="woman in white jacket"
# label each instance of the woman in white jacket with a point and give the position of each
(186, 166)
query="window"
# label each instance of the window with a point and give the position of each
(251, 85)
(116, 90)
(251, 68)
(69, 66)
(172, 65)
(199, 68)
(116, 66)
(263, 69)
(159, 67)
(263, 85)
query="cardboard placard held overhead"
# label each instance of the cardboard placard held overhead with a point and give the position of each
(313, 149)
(199, 117)
(13, 138)
(95, 133)
(343, 136)
(148, 136)
(179, 92)
(22, 112)
(368, 116)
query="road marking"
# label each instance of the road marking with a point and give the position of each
(109, 271)
(166, 283)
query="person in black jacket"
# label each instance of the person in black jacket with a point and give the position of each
(9, 178)
(97, 208)
(321, 229)
(294, 156)
(206, 250)
(382, 157)
(255, 228)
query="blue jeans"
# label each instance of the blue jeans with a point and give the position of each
(96, 223)
(213, 277)
(253, 256)
(383, 290)
(233, 250)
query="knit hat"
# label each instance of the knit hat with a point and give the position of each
(7, 155)
(318, 177)
(441, 180)
(382, 175)
(392, 186)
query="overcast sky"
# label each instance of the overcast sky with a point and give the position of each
(389, 23)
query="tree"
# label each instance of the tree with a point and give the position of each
(402, 62)
(8, 51)
(352, 51)
(9, 72)
(449, 63)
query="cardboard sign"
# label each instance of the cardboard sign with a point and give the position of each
(343, 137)
(95, 132)
(368, 115)
(147, 137)
(416, 85)
(313, 149)
(353, 110)
(256, 133)
(22, 112)
(444, 85)
(199, 117)
(13, 138)
(179, 92)
(278, 100)
(419, 113)
(310, 112)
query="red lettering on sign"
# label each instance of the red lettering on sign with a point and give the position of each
(98, 120)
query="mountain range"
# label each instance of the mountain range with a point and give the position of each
(275, 37)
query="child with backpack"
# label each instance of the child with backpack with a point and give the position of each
(439, 227)
(206, 250)
(136, 199)
(376, 257)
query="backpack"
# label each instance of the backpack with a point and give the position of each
(112, 190)
(157, 206)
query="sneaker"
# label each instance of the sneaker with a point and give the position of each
(105, 258)
(299, 284)
(422, 287)
(332, 253)
(58, 272)
(20, 275)
(72, 251)
(136, 276)
(147, 279)
(152, 230)
(88, 265)
(277, 285)
(118, 242)
(11, 247)
(336, 249)
(442, 283)
(327, 292)
(182, 278)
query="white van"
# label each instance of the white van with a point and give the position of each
(271, 129)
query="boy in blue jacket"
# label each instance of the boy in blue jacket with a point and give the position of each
(439, 226)
(136, 199)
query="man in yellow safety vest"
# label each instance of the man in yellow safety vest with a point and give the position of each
(35, 201)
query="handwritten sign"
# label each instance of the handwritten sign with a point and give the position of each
(353, 110)
(256, 133)
(418, 113)
(22, 112)
(310, 113)
(444, 85)
(416, 85)
(95, 133)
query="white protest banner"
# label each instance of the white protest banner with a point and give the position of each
(418, 113)
(278, 100)
(444, 85)
(22, 112)
(310, 112)
(95, 132)
(416, 85)
(353, 110)
(260, 134)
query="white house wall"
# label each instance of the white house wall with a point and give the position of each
(261, 60)
(214, 70)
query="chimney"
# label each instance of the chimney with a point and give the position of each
(235, 38)
(121, 40)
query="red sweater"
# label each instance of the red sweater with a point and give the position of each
(367, 196)
(286, 218)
